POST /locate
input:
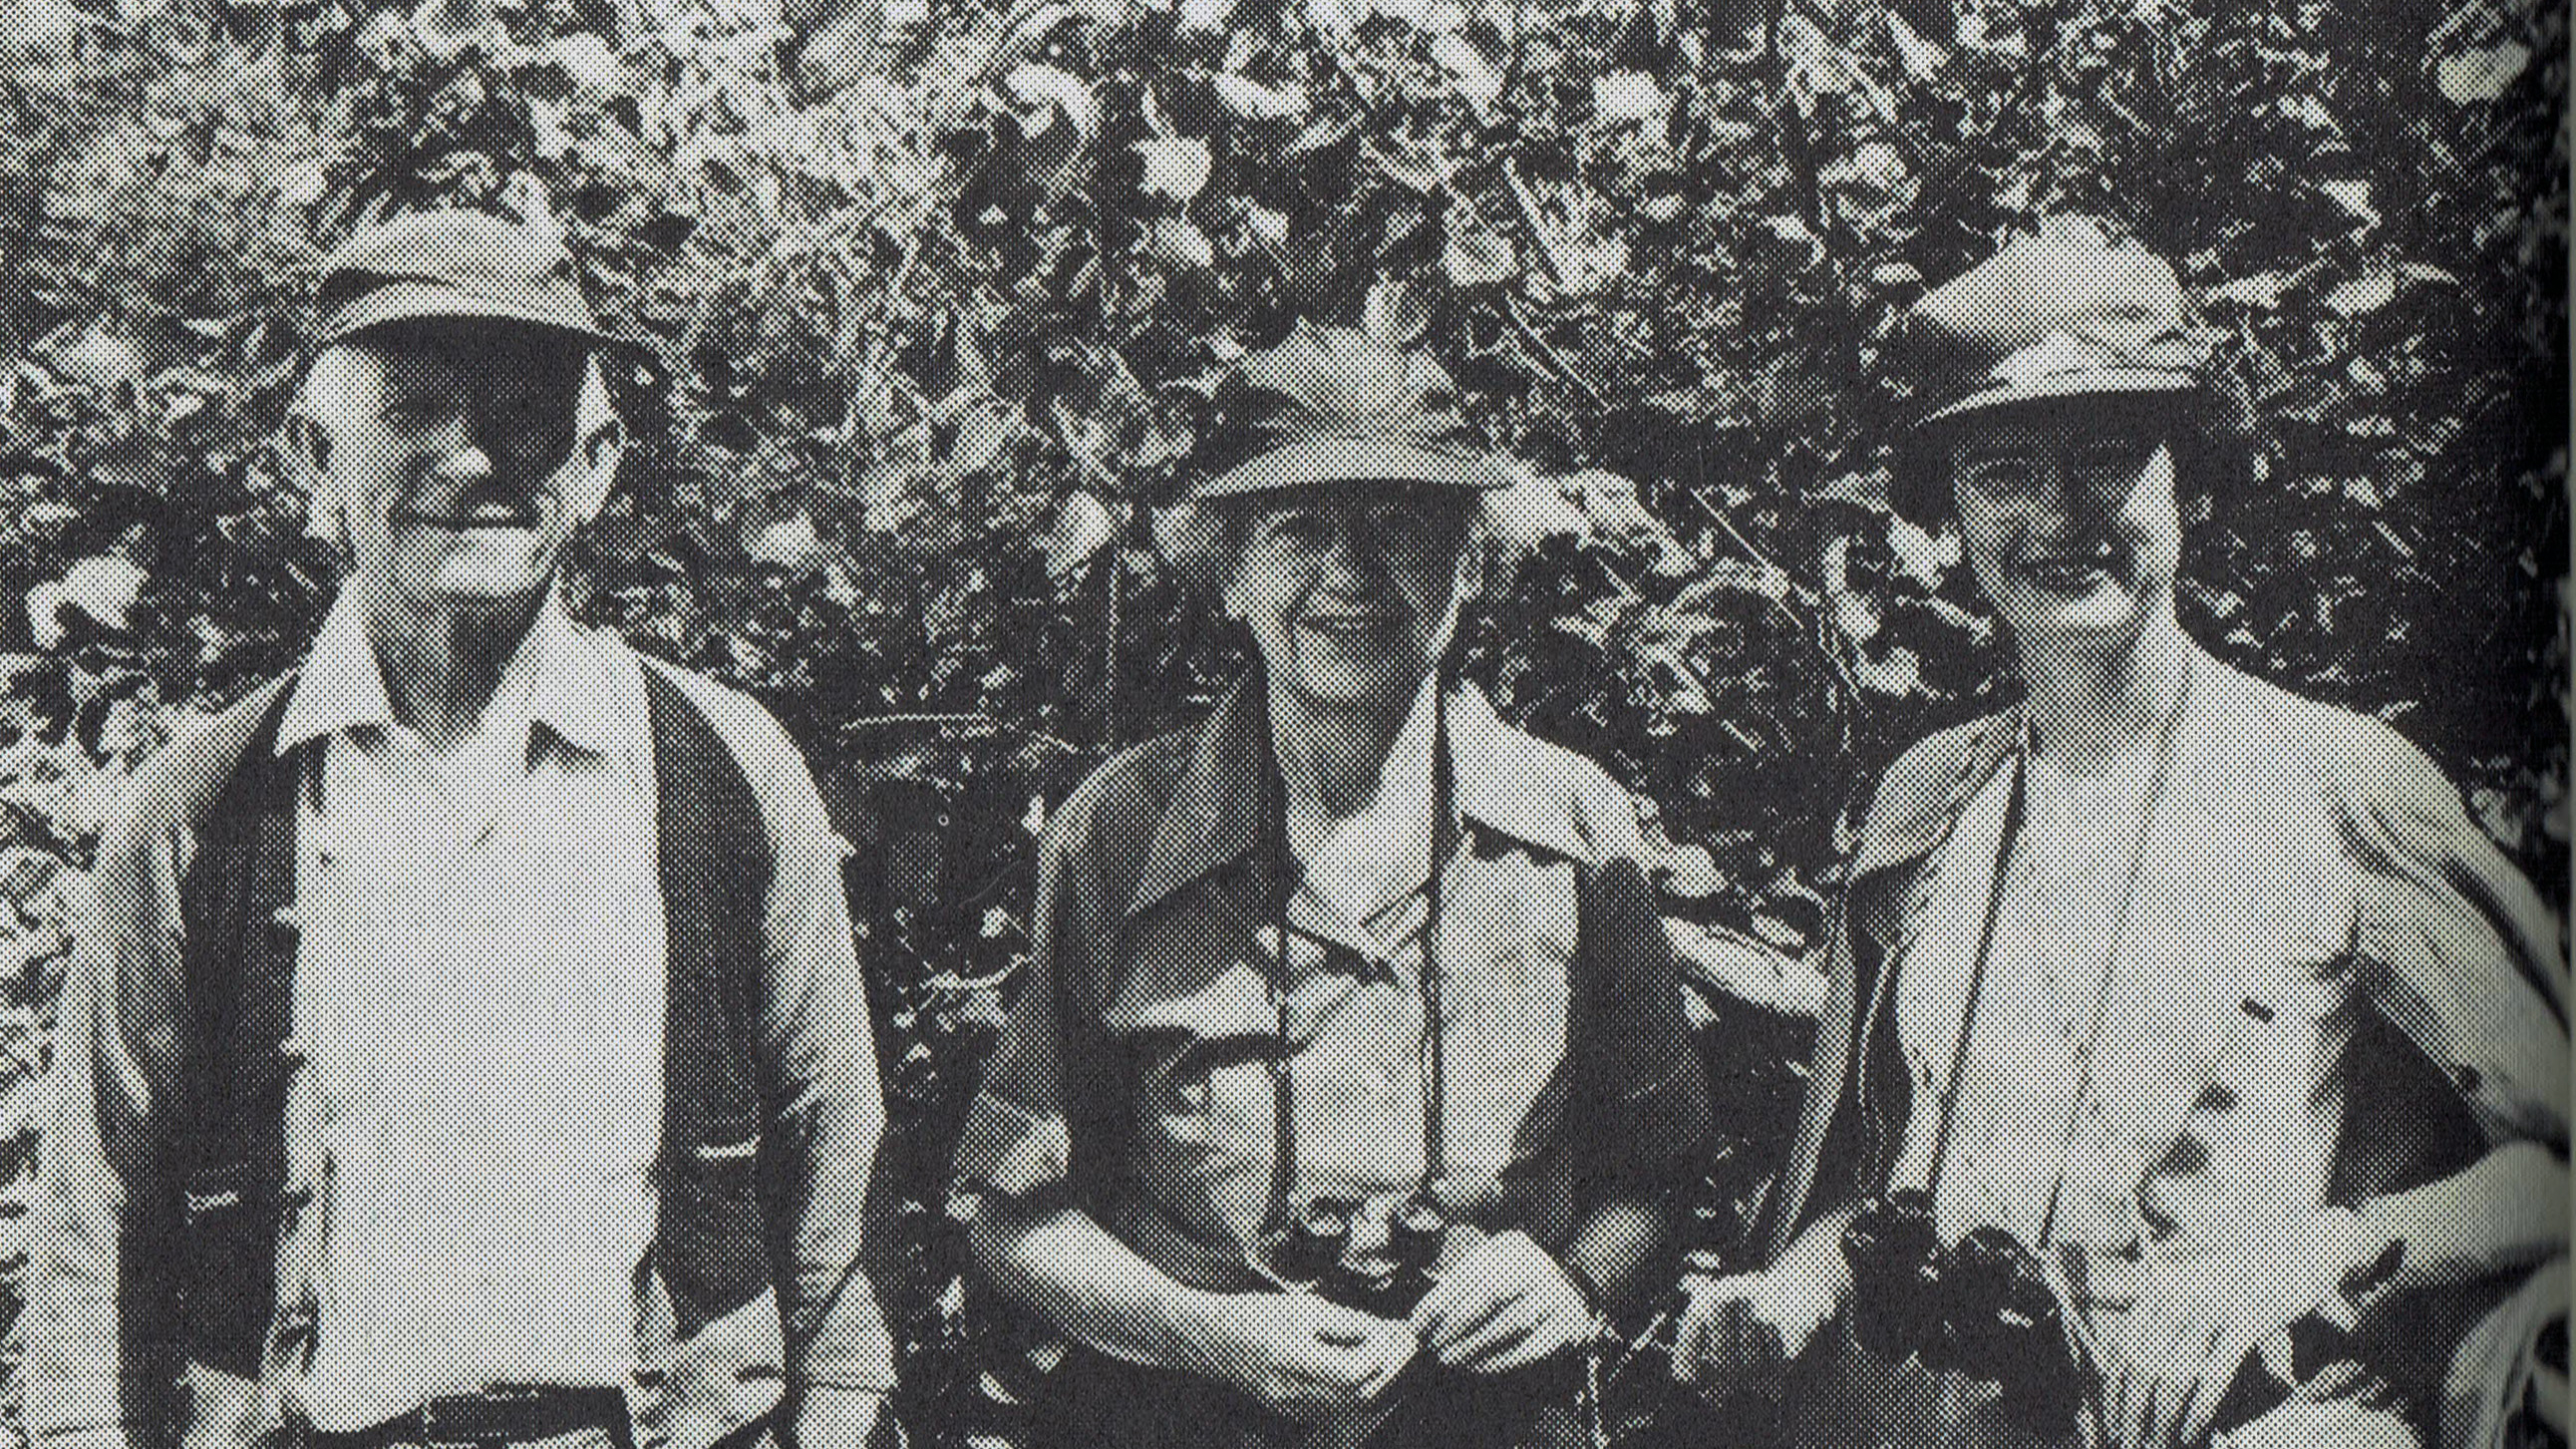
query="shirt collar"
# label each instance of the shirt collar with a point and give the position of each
(558, 670)
(1924, 818)
(1213, 816)
(1998, 740)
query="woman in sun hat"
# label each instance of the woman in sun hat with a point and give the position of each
(1351, 1082)
(2196, 1071)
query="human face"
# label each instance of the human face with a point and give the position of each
(2070, 524)
(1352, 596)
(460, 457)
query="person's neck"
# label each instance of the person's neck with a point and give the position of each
(2091, 709)
(1333, 760)
(442, 667)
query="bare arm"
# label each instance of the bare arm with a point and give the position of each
(1059, 1263)
(1295, 1354)
(2506, 1212)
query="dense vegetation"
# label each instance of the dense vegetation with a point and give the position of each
(926, 294)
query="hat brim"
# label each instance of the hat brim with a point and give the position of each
(2107, 381)
(1324, 462)
(422, 302)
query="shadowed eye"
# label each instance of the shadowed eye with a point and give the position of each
(1303, 527)
(1396, 518)
(2110, 457)
(2003, 476)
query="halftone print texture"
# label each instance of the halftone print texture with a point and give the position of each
(1302, 722)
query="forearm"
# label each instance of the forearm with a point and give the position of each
(836, 1335)
(826, 1110)
(2506, 1212)
(1061, 1264)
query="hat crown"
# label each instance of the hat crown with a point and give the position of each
(1341, 381)
(2070, 308)
(1332, 405)
(451, 264)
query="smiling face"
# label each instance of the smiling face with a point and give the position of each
(2070, 521)
(457, 458)
(1352, 595)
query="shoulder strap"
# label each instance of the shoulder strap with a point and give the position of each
(715, 866)
(226, 1146)
(226, 1150)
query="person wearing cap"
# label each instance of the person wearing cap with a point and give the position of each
(1350, 1079)
(2209, 996)
(464, 1043)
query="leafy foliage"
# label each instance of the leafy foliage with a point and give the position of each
(928, 296)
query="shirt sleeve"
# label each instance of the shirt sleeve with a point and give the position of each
(94, 1309)
(830, 1109)
(2457, 950)
(1648, 1107)
(1018, 1137)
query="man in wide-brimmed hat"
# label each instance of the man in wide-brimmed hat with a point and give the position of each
(2196, 1070)
(1351, 1080)
(465, 1044)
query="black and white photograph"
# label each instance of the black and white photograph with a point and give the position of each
(1285, 724)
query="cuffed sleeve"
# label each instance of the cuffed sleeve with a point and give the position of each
(2457, 950)
(828, 1110)
(1018, 1138)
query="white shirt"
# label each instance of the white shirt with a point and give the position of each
(481, 992)
(2056, 887)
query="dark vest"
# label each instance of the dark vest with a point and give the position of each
(225, 1147)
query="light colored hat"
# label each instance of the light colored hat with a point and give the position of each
(452, 264)
(2068, 310)
(1334, 405)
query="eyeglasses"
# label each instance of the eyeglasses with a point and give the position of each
(1402, 527)
(526, 417)
(1983, 1307)
(2093, 466)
